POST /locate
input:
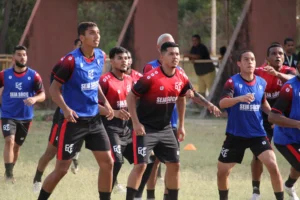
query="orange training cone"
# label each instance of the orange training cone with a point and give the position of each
(190, 147)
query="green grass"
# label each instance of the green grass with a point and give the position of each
(198, 168)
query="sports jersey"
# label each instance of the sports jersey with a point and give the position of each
(158, 94)
(245, 120)
(80, 79)
(288, 104)
(17, 88)
(135, 75)
(116, 91)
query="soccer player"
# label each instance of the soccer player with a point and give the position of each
(285, 114)
(275, 74)
(23, 87)
(53, 137)
(244, 99)
(158, 91)
(135, 75)
(79, 76)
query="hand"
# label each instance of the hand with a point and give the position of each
(180, 134)
(270, 70)
(139, 129)
(110, 111)
(29, 101)
(190, 94)
(70, 115)
(122, 114)
(215, 110)
(248, 98)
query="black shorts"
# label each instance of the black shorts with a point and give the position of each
(234, 147)
(121, 146)
(163, 143)
(53, 137)
(291, 153)
(72, 135)
(19, 128)
(267, 126)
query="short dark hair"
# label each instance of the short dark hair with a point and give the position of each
(164, 47)
(272, 46)
(19, 47)
(223, 50)
(242, 53)
(197, 36)
(116, 50)
(286, 40)
(76, 41)
(83, 26)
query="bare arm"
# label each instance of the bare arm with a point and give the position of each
(229, 102)
(55, 92)
(180, 103)
(281, 120)
(131, 103)
(285, 77)
(266, 108)
(40, 97)
(106, 104)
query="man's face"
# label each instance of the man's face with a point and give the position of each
(20, 58)
(276, 57)
(91, 37)
(247, 63)
(171, 57)
(120, 62)
(289, 47)
(195, 41)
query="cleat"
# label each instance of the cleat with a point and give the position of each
(291, 192)
(119, 188)
(37, 186)
(255, 196)
(75, 167)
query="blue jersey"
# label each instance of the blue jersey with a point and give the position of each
(16, 90)
(80, 91)
(154, 64)
(245, 120)
(284, 136)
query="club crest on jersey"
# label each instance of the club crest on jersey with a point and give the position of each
(91, 73)
(178, 86)
(9, 77)
(241, 86)
(29, 78)
(19, 85)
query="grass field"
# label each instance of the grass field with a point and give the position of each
(198, 168)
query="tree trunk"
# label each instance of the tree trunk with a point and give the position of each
(4, 28)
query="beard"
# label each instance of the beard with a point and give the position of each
(20, 65)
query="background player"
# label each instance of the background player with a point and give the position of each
(135, 75)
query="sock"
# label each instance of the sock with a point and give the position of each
(255, 185)
(150, 194)
(145, 178)
(116, 169)
(279, 195)
(104, 195)
(9, 169)
(290, 182)
(166, 197)
(38, 176)
(44, 195)
(223, 194)
(173, 194)
(130, 194)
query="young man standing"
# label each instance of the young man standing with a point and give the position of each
(78, 100)
(135, 75)
(290, 58)
(53, 137)
(275, 74)
(23, 87)
(244, 100)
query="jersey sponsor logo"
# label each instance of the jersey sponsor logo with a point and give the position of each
(178, 86)
(117, 149)
(6, 127)
(91, 73)
(142, 151)
(165, 100)
(90, 86)
(249, 107)
(122, 104)
(273, 95)
(18, 85)
(69, 148)
(18, 95)
(224, 152)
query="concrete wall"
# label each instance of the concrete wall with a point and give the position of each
(270, 21)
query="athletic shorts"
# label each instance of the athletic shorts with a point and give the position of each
(72, 135)
(234, 147)
(18, 128)
(291, 153)
(53, 137)
(162, 142)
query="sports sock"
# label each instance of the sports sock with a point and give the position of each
(43, 195)
(150, 194)
(38, 176)
(130, 194)
(104, 195)
(290, 182)
(223, 194)
(279, 195)
(9, 170)
(255, 185)
(173, 194)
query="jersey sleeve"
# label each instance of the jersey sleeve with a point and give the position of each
(142, 86)
(284, 101)
(187, 85)
(147, 68)
(291, 71)
(228, 90)
(38, 84)
(65, 70)
(103, 84)
(1, 79)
